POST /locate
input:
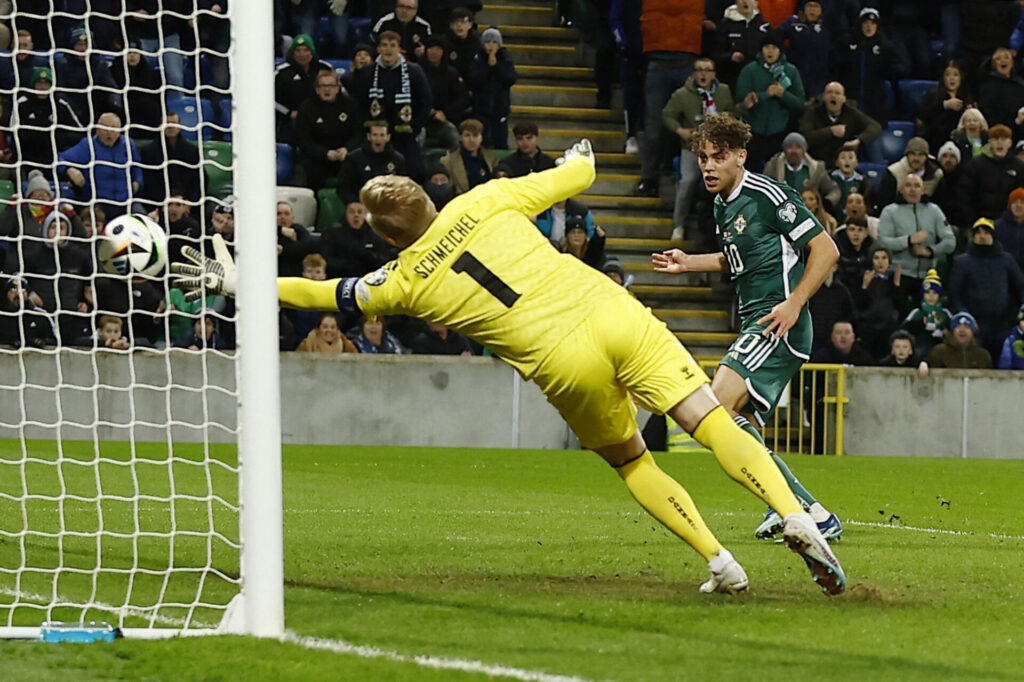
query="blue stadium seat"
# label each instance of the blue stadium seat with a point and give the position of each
(912, 91)
(324, 34)
(875, 171)
(224, 112)
(285, 163)
(888, 148)
(341, 66)
(359, 30)
(191, 113)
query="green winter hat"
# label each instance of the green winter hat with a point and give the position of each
(42, 73)
(302, 40)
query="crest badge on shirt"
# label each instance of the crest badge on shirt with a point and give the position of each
(377, 277)
(740, 223)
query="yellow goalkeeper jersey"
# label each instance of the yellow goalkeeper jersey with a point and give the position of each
(483, 269)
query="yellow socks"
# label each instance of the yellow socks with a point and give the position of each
(746, 460)
(667, 501)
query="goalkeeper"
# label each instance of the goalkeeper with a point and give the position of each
(481, 268)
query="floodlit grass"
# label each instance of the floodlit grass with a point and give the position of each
(541, 561)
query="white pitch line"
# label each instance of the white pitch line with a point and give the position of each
(437, 662)
(941, 531)
(123, 611)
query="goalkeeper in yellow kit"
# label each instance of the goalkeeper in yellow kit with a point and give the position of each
(482, 268)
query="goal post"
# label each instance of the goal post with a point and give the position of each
(141, 487)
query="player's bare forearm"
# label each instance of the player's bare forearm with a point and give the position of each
(308, 294)
(820, 262)
(676, 262)
(708, 262)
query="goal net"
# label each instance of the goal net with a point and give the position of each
(134, 490)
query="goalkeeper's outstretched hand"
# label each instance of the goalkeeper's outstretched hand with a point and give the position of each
(582, 149)
(216, 275)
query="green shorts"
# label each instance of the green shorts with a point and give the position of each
(768, 363)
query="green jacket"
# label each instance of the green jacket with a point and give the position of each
(685, 108)
(771, 115)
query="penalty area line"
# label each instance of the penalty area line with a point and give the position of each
(940, 531)
(436, 662)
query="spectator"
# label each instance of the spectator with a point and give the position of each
(314, 267)
(293, 242)
(18, 72)
(326, 128)
(843, 348)
(989, 178)
(375, 157)
(171, 161)
(362, 57)
(624, 24)
(796, 168)
(832, 124)
(203, 335)
(374, 337)
(613, 268)
(958, 349)
(326, 337)
(576, 243)
(917, 235)
(849, 180)
(165, 36)
(214, 31)
(878, 302)
(1001, 91)
(437, 339)
(110, 333)
(810, 46)
(222, 221)
(856, 206)
(552, 222)
(869, 62)
(27, 217)
(463, 40)
(930, 319)
(182, 314)
(142, 86)
(815, 204)
(971, 134)
(701, 96)
(182, 229)
(948, 192)
(448, 91)
(528, 156)
(855, 248)
(142, 304)
(739, 36)
(114, 178)
(471, 164)
(908, 31)
(915, 160)
(771, 92)
(491, 77)
(412, 29)
(902, 353)
(1010, 227)
(57, 267)
(85, 79)
(829, 304)
(310, 13)
(439, 185)
(395, 90)
(987, 283)
(1012, 354)
(93, 220)
(671, 42)
(941, 108)
(35, 116)
(23, 320)
(295, 82)
(350, 247)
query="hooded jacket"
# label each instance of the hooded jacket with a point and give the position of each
(867, 63)
(770, 116)
(900, 220)
(985, 183)
(986, 282)
(950, 354)
(492, 85)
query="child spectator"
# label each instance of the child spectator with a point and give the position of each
(849, 179)
(902, 354)
(326, 337)
(856, 206)
(374, 337)
(439, 185)
(471, 164)
(855, 247)
(361, 57)
(463, 40)
(491, 77)
(182, 314)
(110, 333)
(589, 250)
(1012, 355)
(552, 222)
(958, 349)
(928, 321)
(877, 301)
(202, 336)
(314, 267)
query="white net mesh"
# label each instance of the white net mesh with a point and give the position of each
(118, 463)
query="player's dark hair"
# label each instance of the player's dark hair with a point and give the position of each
(724, 131)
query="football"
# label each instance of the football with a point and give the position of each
(133, 245)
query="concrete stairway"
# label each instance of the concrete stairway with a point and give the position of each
(556, 90)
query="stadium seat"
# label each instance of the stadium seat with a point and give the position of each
(888, 148)
(224, 116)
(303, 202)
(341, 66)
(194, 115)
(912, 91)
(285, 164)
(359, 30)
(331, 210)
(875, 171)
(890, 97)
(217, 158)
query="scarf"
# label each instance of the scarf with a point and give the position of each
(707, 98)
(403, 97)
(778, 72)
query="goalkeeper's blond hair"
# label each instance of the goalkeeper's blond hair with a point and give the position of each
(397, 208)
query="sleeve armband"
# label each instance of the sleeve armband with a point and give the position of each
(346, 294)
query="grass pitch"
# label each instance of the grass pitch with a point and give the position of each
(542, 563)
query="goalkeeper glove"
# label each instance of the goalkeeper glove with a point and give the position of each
(580, 149)
(216, 275)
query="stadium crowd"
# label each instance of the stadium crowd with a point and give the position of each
(901, 122)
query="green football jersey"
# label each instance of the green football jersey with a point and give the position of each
(761, 228)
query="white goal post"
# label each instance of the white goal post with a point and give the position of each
(123, 497)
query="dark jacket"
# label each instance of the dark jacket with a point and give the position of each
(877, 312)
(867, 64)
(322, 126)
(890, 361)
(389, 80)
(936, 123)
(987, 24)
(1010, 234)
(33, 123)
(986, 282)
(822, 144)
(463, 51)
(959, 138)
(289, 261)
(143, 103)
(431, 343)
(76, 77)
(985, 184)
(448, 90)
(412, 34)
(857, 356)
(810, 48)
(352, 253)
(170, 22)
(181, 161)
(492, 85)
(736, 34)
(363, 164)
(293, 85)
(829, 304)
(952, 355)
(999, 97)
(519, 164)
